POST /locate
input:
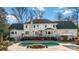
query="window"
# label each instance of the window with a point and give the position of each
(34, 26)
(41, 31)
(54, 31)
(15, 32)
(53, 25)
(26, 32)
(48, 32)
(37, 25)
(45, 25)
(12, 32)
(22, 34)
(26, 26)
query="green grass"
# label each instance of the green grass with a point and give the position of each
(49, 44)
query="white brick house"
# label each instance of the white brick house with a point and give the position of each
(43, 27)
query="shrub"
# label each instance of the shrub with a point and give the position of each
(3, 48)
(11, 39)
(23, 38)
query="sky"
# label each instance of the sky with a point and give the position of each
(49, 13)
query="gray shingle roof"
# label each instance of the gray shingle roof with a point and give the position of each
(66, 25)
(17, 26)
(60, 25)
(40, 21)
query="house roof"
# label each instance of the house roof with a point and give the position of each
(17, 26)
(60, 24)
(66, 25)
(37, 21)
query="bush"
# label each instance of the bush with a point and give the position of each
(11, 39)
(23, 38)
(3, 48)
(6, 43)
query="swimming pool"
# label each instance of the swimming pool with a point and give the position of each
(49, 44)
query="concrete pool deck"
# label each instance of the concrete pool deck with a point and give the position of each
(16, 47)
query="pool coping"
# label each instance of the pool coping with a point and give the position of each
(16, 47)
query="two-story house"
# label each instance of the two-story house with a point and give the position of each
(43, 27)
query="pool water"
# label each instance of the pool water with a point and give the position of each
(49, 44)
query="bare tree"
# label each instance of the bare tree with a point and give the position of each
(20, 13)
(25, 13)
(59, 16)
(2, 15)
(75, 12)
(38, 12)
(67, 18)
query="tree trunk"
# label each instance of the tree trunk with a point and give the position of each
(1, 38)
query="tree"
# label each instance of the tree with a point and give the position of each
(20, 13)
(23, 14)
(68, 18)
(59, 16)
(3, 23)
(75, 12)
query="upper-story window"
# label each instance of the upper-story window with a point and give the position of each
(53, 25)
(37, 25)
(34, 26)
(45, 25)
(26, 26)
(12, 32)
(15, 32)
